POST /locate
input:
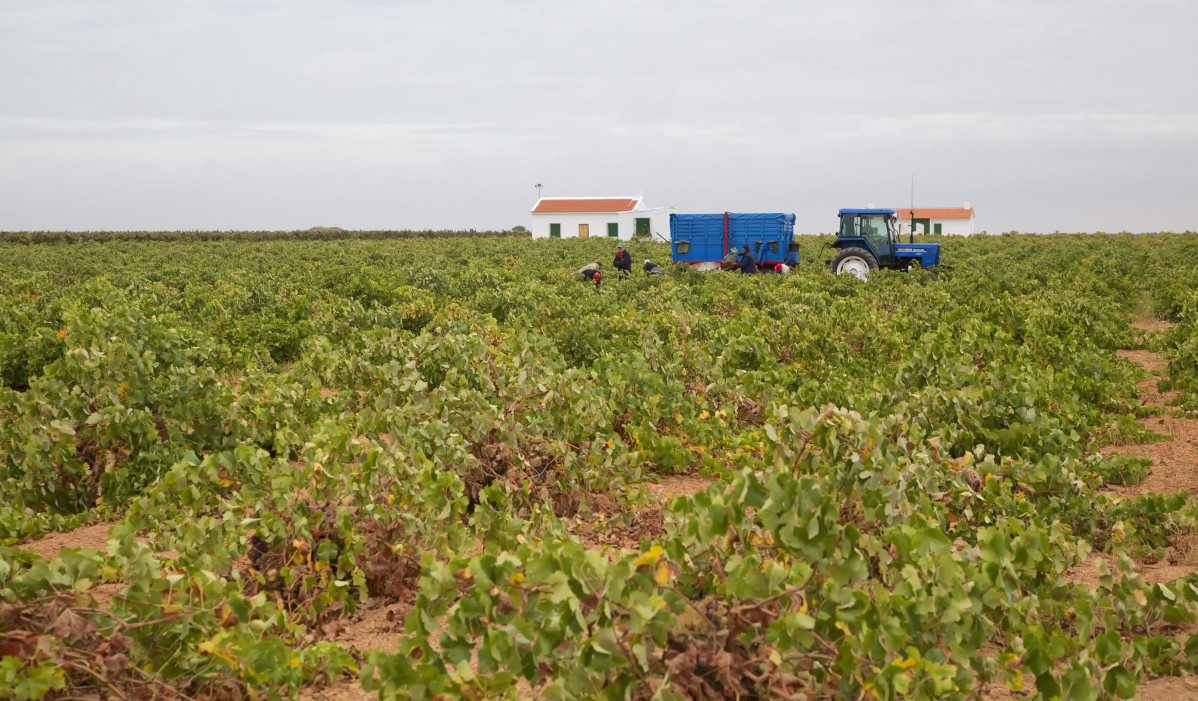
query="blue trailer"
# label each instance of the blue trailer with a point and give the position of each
(704, 240)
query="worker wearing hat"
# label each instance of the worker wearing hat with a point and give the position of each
(590, 271)
(746, 262)
(623, 260)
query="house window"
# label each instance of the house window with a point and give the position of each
(642, 227)
(613, 229)
(936, 228)
(555, 231)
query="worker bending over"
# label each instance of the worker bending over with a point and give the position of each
(651, 269)
(590, 272)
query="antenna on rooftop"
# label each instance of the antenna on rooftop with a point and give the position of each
(911, 233)
(538, 186)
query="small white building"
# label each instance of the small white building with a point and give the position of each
(583, 217)
(955, 221)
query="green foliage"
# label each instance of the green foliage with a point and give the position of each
(286, 430)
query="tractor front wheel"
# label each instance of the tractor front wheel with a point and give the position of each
(855, 261)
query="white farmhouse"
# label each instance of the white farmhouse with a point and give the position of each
(582, 217)
(956, 221)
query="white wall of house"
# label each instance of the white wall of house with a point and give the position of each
(596, 221)
(948, 227)
(659, 222)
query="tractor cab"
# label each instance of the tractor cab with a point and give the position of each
(868, 239)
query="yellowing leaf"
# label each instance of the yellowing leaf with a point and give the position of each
(662, 574)
(517, 578)
(905, 663)
(649, 558)
(1015, 680)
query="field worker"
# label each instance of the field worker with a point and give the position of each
(782, 268)
(651, 269)
(590, 272)
(584, 273)
(747, 264)
(623, 260)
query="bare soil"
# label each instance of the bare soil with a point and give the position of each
(1152, 325)
(1174, 467)
(1174, 461)
(93, 536)
(678, 485)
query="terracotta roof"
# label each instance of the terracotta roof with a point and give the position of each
(586, 204)
(935, 213)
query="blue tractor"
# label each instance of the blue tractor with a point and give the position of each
(868, 240)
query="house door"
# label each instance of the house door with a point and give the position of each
(922, 226)
(584, 230)
(642, 227)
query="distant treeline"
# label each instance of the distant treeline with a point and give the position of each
(319, 234)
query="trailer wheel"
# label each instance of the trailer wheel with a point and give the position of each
(854, 261)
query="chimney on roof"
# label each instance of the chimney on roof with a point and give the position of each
(968, 204)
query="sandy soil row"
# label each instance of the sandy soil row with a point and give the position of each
(1174, 467)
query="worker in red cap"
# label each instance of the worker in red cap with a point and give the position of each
(782, 268)
(590, 272)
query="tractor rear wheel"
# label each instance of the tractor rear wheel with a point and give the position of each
(854, 261)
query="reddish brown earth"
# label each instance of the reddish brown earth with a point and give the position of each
(375, 626)
(93, 536)
(678, 485)
(1174, 467)
(1175, 460)
(1152, 325)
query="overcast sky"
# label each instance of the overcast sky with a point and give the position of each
(244, 114)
